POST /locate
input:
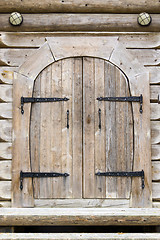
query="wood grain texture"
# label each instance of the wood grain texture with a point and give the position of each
(6, 75)
(5, 130)
(5, 110)
(155, 191)
(79, 236)
(79, 216)
(154, 73)
(5, 150)
(155, 152)
(79, 22)
(81, 203)
(5, 172)
(155, 132)
(5, 190)
(5, 204)
(5, 93)
(154, 91)
(156, 170)
(80, 6)
(155, 111)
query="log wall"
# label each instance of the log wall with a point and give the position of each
(16, 47)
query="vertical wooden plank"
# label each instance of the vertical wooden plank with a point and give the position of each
(100, 158)
(35, 136)
(56, 129)
(88, 127)
(45, 135)
(110, 122)
(21, 149)
(77, 128)
(67, 158)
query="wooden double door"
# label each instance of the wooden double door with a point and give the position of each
(81, 136)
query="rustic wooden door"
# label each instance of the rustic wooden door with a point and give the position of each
(83, 136)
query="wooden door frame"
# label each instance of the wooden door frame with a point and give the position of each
(109, 48)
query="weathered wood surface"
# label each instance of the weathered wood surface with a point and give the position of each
(78, 216)
(5, 190)
(155, 111)
(5, 110)
(156, 170)
(5, 93)
(79, 22)
(81, 6)
(80, 236)
(155, 152)
(79, 203)
(5, 150)
(5, 170)
(155, 191)
(5, 204)
(14, 57)
(5, 130)
(154, 73)
(155, 132)
(6, 75)
(154, 91)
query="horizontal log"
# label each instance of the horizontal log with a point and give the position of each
(154, 75)
(155, 152)
(80, 236)
(79, 22)
(5, 93)
(155, 132)
(156, 171)
(5, 204)
(14, 57)
(5, 170)
(154, 91)
(6, 75)
(90, 6)
(33, 40)
(78, 216)
(5, 190)
(5, 150)
(156, 191)
(79, 203)
(155, 111)
(146, 56)
(6, 130)
(5, 110)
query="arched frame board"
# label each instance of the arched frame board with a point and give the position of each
(58, 48)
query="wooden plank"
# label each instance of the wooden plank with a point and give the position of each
(79, 216)
(14, 57)
(156, 170)
(154, 73)
(155, 152)
(155, 191)
(5, 173)
(5, 93)
(146, 56)
(79, 22)
(5, 190)
(63, 46)
(148, 40)
(37, 62)
(6, 130)
(155, 132)
(5, 110)
(80, 6)
(5, 204)
(155, 111)
(79, 236)
(81, 203)
(6, 74)
(88, 128)
(5, 150)
(154, 91)
(22, 86)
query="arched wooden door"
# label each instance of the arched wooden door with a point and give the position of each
(82, 136)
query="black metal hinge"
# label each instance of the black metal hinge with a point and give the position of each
(124, 99)
(39, 175)
(37, 100)
(123, 174)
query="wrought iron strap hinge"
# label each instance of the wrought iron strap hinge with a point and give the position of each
(37, 100)
(39, 175)
(124, 99)
(123, 174)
